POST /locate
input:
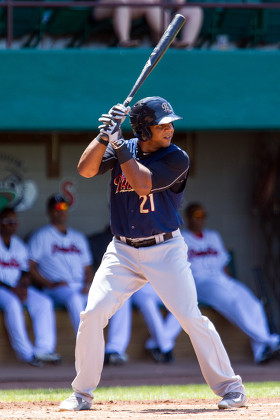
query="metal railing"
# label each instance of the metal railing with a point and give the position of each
(9, 5)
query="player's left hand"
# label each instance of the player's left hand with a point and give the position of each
(110, 128)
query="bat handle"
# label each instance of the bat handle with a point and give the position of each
(127, 101)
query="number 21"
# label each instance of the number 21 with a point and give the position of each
(144, 200)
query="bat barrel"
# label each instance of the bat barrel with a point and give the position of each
(170, 33)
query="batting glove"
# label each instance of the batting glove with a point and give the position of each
(119, 112)
(110, 129)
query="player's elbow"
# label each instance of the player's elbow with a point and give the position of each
(143, 189)
(86, 172)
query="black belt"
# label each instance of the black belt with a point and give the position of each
(145, 242)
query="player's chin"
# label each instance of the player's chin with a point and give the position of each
(166, 142)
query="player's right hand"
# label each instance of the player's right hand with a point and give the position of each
(119, 112)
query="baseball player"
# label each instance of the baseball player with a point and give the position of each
(228, 296)
(61, 261)
(15, 290)
(148, 178)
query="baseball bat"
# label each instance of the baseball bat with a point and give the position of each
(170, 33)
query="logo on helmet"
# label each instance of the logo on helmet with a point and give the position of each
(165, 107)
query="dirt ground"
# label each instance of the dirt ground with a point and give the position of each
(180, 409)
(146, 373)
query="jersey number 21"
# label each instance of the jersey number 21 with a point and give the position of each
(146, 199)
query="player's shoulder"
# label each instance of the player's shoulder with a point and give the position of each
(41, 231)
(18, 242)
(75, 233)
(176, 153)
(212, 234)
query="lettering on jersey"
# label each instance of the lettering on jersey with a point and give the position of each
(122, 184)
(71, 250)
(11, 264)
(192, 253)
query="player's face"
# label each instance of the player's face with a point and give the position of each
(9, 224)
(197, 221)
(59, 214)
(161, 136)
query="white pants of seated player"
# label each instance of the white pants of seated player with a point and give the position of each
(123, 271)
(239, 305)
(40, 309)
(71, 297)
(163, 329)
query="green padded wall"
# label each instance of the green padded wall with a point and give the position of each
(69, 89)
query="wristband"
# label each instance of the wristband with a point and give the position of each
(101, 140)
(122, 151)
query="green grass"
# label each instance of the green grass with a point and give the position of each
(137, 393)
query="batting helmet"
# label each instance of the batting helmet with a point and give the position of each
(150, 111)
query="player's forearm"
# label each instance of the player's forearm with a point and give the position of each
(37, 279)
(138, 176)
(91, 158)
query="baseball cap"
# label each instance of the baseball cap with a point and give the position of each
(58, 202)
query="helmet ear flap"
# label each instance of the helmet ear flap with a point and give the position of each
(143, 133)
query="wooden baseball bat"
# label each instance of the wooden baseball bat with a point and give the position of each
(170, 33)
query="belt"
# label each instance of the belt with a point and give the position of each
(138, 243)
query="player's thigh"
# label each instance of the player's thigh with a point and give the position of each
(38, 300)
(221, 292)
(169, 273)
(116, 279)
(9, 302)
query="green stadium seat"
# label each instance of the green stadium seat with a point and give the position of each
(26, 20)
(239, 24)
(270, 26)
(210, 21)
(73, 22)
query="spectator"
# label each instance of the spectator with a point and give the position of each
(122, 17)
(215, 287)
(61, 261)
(15, 290)
(191, 29)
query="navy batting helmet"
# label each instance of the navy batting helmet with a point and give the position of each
(150, 111)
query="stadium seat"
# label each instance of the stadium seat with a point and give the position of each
(67, 22)
(210, 21)
(270, 26)
(239, 24)
(26, 21)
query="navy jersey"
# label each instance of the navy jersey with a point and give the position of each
(137, 216)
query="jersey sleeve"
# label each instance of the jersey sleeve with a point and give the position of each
(170, 172)
(108, 161)
(34, 247)
(87, 256)
(224, 256)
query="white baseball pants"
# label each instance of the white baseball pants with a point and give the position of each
(71, 297)
(43, 321)
(123, 271)
(237, 303)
